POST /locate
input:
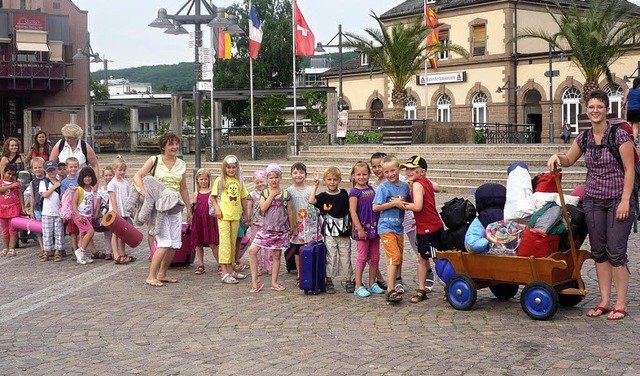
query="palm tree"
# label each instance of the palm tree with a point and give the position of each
(399, 52)
(593, 37)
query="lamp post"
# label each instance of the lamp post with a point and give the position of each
(83, 54)
(214, 17)
(319, 48)
(551, 74)
(636, 72)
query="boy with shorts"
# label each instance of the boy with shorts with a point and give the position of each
(391, 196)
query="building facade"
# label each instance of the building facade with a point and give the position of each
(41, 85)
(503, 80)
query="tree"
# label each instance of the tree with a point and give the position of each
(594, 37)
(399, 52)
(98, 91)
(315, 106)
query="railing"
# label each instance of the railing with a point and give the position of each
(500, 133)
(31, 69)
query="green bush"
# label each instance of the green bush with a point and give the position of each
(480, 138)
(363, 138)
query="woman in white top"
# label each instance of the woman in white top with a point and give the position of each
(73, 148)
(171, 171)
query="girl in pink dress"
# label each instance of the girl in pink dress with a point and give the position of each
(264, 255)
(204, 227)
(11, 205)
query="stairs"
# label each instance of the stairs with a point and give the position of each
(457, 168)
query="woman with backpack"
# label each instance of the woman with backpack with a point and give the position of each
(608, 203)
(72, 145)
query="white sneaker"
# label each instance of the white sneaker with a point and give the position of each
(87, 257)
(80, 259)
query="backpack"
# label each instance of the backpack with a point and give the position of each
(457, 212)
(66, 203)
(35, 192)
(285, 196)
(83, 146)
(610, 143)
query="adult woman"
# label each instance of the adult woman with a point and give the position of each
(607, 203)
(631, 102)
(11, 155)
(171, 171)
(40, 148)
(73, 146)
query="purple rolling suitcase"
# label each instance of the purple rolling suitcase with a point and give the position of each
(313, 263)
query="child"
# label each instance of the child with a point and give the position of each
(204, 227)
(70, 180)
(337, 228)
(376, 168)
(365, 228)
(389, 200)
(228, 212)
(11, 205)
(52, 226)
(429, 226)
(306, 218)
(264, 255)
(118, 189)
(103, 202)
(62, 171)
(11, 155)
(276, 228)
(35, 201)
(84, 202)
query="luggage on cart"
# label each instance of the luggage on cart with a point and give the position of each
(186, 254)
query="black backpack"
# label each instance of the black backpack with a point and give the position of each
(457, 212)
(83, 146)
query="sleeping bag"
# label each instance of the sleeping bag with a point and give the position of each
(490, 200)
(519, 205)
(475, 240)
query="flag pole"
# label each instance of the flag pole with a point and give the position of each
(295, 102)
(426, 61)
(253, 141)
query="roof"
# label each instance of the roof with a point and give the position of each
(352, 66)
(416, 7)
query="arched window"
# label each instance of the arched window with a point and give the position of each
(479, 108)
(411, 109)
(571, 107)
(615, 100)
(376, 108)
(444, 108)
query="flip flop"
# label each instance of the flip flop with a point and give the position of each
(598, 311)
(278, 288)
(257, 289)
(168, 280)
(617, 311)
(155, 284)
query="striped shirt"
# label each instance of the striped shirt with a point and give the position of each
(605, 176)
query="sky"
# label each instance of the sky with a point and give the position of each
(120, 33)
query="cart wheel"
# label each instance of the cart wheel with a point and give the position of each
(505, 291)
(539, 300)
(461, 292)
(567, 300)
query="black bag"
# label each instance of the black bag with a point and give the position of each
(453, 239)
(457, 212)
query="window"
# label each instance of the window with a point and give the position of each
(479, 40)
(431, 1)
(615, 100)
(443, 39)
(411, 109)
(56, 5)
(444, 108)
(479, 108)
(364, 59)
(571, 107)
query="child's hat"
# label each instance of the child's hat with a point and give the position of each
(259, 175)
(273, 167)
(50, 165)
(415, 162)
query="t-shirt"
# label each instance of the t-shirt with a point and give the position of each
(368, 218)
(391, 219)
(231, 200)
(121, 191)
(256, 216)
(66, 153)
(305, 213)
(85, 207)
(68, 183)
(336, 205)
(51, 204)
(427, 220)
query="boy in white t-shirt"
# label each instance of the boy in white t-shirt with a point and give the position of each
(52, 226)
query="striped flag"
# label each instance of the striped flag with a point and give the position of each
(224, 43)
(255, 33)
(431, 19)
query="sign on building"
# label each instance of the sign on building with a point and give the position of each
(442, 78)
(343, 122)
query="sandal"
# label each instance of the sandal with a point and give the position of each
(614, 312)
(57, 257)
(43, 256)
(11, 253)
(130, 258)
(419, 296)
(108, 257)
(598, 311)
(121, 260)
(200, 270)
(229, 280)
(240, 267)
(98, 256)
(258, 288)
(4, 252)
(277, 287)
(393, 297)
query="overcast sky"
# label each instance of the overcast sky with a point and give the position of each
(119, 28)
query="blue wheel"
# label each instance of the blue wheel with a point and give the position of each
(461, 292)
(539, 300)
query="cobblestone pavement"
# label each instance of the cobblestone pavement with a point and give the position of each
(101, 319)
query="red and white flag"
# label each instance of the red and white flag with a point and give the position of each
(431, 19)
(305, 40)
(255, 33)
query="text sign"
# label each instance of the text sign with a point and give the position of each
(441, 78)
(554, 73)
(36, 22)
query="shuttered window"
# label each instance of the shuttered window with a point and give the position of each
(479, 44)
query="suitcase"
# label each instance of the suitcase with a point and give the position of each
(186, 255)
(313, 264)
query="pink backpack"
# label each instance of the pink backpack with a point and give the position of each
(66, 203)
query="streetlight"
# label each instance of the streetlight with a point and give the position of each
(83, 54)
(507, 86)
(319, 48)
(215, 19)
(551, 74)
(637, 71)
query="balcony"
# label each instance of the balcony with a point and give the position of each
(34, 75)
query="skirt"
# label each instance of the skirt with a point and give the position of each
(275, 240)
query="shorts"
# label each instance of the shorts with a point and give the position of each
(633, 116)
(393, 245)
(83, 227)
(427, 243)
(170, 232)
